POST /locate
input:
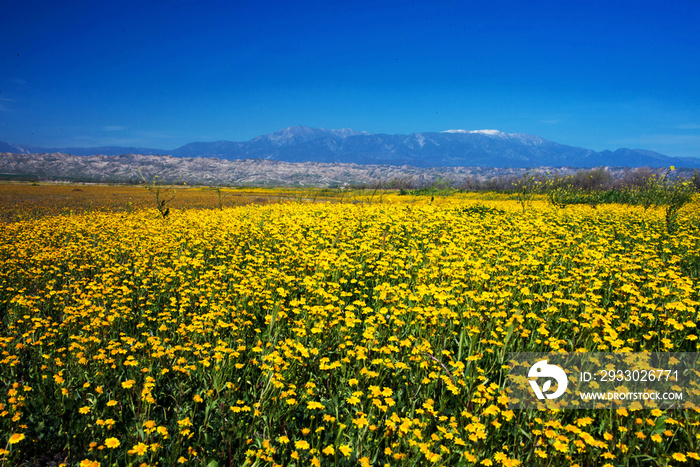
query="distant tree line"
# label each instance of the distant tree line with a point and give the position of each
(598, 179)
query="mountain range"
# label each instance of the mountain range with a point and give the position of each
(451, 148)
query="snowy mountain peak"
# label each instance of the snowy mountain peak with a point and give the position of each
(481, 132)
(300, 133)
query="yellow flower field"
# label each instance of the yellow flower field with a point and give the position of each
(372, 332)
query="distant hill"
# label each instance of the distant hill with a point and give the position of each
(212, 171)
(451, 148)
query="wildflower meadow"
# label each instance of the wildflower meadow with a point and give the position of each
(370, 330)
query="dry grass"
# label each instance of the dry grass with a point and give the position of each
(21, 201)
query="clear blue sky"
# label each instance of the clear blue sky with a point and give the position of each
(596, 74)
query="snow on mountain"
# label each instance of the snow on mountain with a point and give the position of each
(481, 132)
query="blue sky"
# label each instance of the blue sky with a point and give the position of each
(595, 74)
